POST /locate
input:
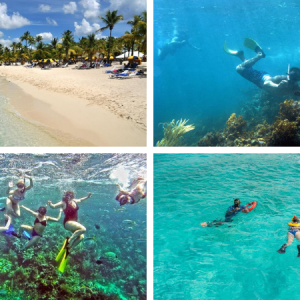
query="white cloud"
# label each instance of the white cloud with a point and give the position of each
(44, 8)
(70, 8)
(47, 36)
(91, 8)
(51, 22)
(7, 43)
(128, 8)
(86, 28)
(15, 21)
(1, 34)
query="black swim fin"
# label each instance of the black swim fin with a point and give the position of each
(298, 247)
(2, 209)
(282, 249)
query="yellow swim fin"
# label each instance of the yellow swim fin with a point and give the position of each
(62, 250)
(239, 54)
(253, 45)
(64, 261)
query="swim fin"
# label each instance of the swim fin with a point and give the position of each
(2, 208)
(62, 250)
(282, 249)
(26, 235)
(253, 45)
(298, 247)
(239, 54)
(64, 261)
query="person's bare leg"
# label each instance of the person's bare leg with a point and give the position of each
(249, 63)
(290, 238)
(77, 241)
(77, 230)
(32, 242)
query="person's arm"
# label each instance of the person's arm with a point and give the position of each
(10, 186)
(277, 79)
(55, 219)
(122, 191)
(56, 205)
(84, 198)
(30, 184)
(29, 210)
(193, 47)
(232, 211)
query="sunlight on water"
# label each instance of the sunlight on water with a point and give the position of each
(237, 260)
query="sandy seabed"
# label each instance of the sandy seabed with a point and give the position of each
(86, 104)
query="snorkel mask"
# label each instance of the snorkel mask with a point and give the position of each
(237, 202)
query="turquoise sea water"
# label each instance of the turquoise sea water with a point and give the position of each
(233, 261)
(33, 274)
(204, 87)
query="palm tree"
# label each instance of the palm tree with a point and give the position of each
(41, 51)
(90, 45)
(141, 28)
(110, 19)
(38, 38)
(54, 43)
(31, 42)
(67, 41)
(25, 37)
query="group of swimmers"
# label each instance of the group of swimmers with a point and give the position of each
(293, 231)
(279, 84)
(68, 205)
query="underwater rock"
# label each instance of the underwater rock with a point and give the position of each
(285, 131)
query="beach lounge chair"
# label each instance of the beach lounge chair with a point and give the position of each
(112, 70)
(65, 66)
(123, 74)
(129, 75)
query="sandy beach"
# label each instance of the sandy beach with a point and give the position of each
(85, 104)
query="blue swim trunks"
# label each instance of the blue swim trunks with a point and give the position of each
(257, 77)
(293, 232)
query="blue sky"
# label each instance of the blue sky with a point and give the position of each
(50, 18)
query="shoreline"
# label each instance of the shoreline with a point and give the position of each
(84, 119)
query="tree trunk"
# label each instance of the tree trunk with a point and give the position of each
(108, 56)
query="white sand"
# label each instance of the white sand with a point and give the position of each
(84, 103)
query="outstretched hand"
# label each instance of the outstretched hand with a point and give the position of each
(89, 195)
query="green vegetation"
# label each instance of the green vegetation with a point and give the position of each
(30, 48)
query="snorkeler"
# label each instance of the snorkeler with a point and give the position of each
(17, 195)
(7, 225)
(70, 208)
(40, 223)
(232, 211)
(280, 84)
(137, 192)
(293, 232)
(177, 42)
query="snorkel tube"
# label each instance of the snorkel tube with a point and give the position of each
(288, 72)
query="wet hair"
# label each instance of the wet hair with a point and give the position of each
(68, 195)
(42, 210)
(295, 219)
(294, 74)
(123, 200)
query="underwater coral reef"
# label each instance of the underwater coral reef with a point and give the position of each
(115, 236)
(284, 131)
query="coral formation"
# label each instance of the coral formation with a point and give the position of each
(173, 133)
(285, 131)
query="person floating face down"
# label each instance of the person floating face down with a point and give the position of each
(137, 192)
(279, 84)
(293, 232)
(232, 211)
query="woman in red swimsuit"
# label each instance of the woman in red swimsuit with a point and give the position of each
(70, 208)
